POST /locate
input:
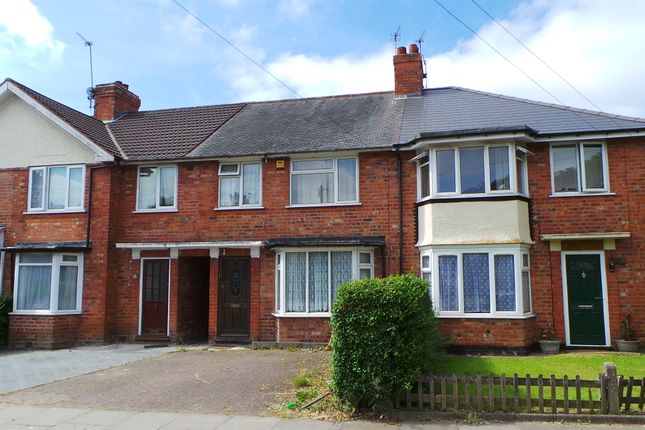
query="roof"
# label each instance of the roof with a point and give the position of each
(168, 133)
(87, 125)
(349, 122)
(448, 110)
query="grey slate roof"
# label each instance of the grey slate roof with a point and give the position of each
(455, 110)
(168, 133)
(89, 126)
(288, 126)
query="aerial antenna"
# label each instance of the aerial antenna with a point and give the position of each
(420, 41)
(90, 90)
(395, 37)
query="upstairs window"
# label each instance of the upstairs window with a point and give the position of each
(470, 171)
(157, 188)
(579, 168)
(324, 181)
(239, 185)
(56, 188)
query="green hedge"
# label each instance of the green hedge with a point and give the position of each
(5, 308)
(384, 332)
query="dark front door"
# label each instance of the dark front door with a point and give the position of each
(234, 297)
(154, 306)
(585, 300)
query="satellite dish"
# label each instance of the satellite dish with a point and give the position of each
(90, 93)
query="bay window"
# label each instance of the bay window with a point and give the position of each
(324, 181)
(470, 170)
(579, 168)
(157, 188)
(479, 281)
(240, 185)
(48, 283)
(56, 188)
(307, 280)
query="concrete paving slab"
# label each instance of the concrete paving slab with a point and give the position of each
(103, 418)
(24, 369)
(197, 422)
(12, 413)
(50, 417)
(145, 421)
(298, 424)
(70, 426)
(410, 425)
(366, 425)
(249, 423)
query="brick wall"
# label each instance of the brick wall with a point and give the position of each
(43, 331)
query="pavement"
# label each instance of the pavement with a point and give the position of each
(28, 417)
(25, 369)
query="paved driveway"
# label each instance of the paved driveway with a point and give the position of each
(26, 369)
(220, 381)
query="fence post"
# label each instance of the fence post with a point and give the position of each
(613, 393)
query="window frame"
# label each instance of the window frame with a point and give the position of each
(239, 174)
(516, 250)
(581, 171)
(334, 170)
(54, 287)
(157, 207)
(46, 187)
(433, 185)
(280, 274)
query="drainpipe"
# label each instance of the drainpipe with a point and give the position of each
(89, 197)
(400, 174)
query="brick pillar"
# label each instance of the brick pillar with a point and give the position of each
(557, 305)
(173, 297)
(135, 283)
(255, 297)
(213, 288)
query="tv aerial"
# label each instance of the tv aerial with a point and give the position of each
(90, 90)
(395, 37)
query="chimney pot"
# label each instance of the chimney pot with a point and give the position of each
(413, 48)
(113, 99)
(400, 50)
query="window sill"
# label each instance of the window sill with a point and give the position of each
(59, 212)
(239, 208)
(324, 205)
(487, 316)
(45, 313)
(155, 211)
(303, 315)
(605, 194)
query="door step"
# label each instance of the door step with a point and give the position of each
(153, 341)
(224, 340)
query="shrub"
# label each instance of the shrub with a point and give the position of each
(5, 308)
(384, 332)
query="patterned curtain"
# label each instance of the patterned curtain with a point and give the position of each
(504, 283)
(251, 190)
(341, 270)
(318, 282)
(448, 283)
(476, 283)
(500, 178)
(167, 186)
(295, 281)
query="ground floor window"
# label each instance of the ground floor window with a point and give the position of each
(478, 281)
(307, 280)
(48, 283)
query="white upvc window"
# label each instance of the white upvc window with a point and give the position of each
(157, 188)
(470, 171)
(56, 188)
(476, 281)
(324, 181)
(240, 185)
(307, 279)
(579, 168)
(48, 283)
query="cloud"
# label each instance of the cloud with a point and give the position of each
(26, 33)
(294, 9)
(594, 44)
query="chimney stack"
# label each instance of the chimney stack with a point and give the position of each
(111, 100)
(408, 71)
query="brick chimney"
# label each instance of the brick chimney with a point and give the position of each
(113, 99)
(408, 71)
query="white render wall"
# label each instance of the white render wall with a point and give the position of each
(27, 138)
(476, 222)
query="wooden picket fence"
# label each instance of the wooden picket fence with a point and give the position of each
(525, 394)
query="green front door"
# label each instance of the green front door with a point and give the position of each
(585, 300)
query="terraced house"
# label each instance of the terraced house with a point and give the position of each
(237, 223)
